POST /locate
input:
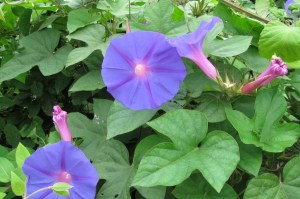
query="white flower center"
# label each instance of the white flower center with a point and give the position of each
(140, 69)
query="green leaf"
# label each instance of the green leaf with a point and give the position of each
(174, 123)
(119, 8)
(157, 192)
(54, 137)
(112, 164)
(62, 193)
(21, 154)
(5, 169)
(162, 11)
(253, 60)
(264, 130)
(39, 50)
(80, 18)
(197, 187)
(2, 195)
(93, 136)
(77, 3)
(251, 158)
(3, 151)
(12, 135)
(89, 82)
(265, 186)
(101, 109)
(195, 83)
(92, 36)
(166, 163)
(122, 120)
(236, 24)
(5, 103)
(24, 22)
(229, 47)
(280, 39)
(213, 107)
(2, 17)
(146, 144)
(268, 186)
(48, 21)
(262, 7)
(17, 184)
(62, 188)
(295, 64)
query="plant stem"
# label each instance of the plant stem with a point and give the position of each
(7, 189)
(129, 10)
(114, 25)
(243, 10)
(38, 191)
(186, 19)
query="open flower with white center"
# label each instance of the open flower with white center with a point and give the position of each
(142, 70)
(60, 162)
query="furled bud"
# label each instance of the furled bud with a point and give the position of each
(60, 118)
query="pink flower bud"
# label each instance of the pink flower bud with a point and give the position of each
(60, 118)
(276, 68)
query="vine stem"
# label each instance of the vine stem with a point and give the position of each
(38, 191)
(186, 19)
(243, 10)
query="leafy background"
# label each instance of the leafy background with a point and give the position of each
(208, 142)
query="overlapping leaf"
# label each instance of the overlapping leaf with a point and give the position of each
(112, 163)
(119, 8)
(169, 163)
(122, 120)
(160, 12)
(280, 39)
(197, 187)
(265, 129)
(93, 132)
(89, 82)
(92, 36)
(80, 18)
(38, 50)
(238, 25)
(268, 186)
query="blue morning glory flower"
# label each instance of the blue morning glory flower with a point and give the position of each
(60, 162)
(142, 70)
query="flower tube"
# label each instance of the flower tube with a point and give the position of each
(190, 46)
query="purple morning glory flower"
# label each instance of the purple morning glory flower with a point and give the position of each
(60, 162)
(60, 118)
(142, 70)
(276, 68)
(287, 3)
(190, 46)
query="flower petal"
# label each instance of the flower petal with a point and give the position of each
(151, 55)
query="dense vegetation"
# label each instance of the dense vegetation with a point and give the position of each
(220, 136)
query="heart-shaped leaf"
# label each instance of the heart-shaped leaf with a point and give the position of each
(197, 187)
(268, 186)
(280, 39)
(265, 130)
(169, 164)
